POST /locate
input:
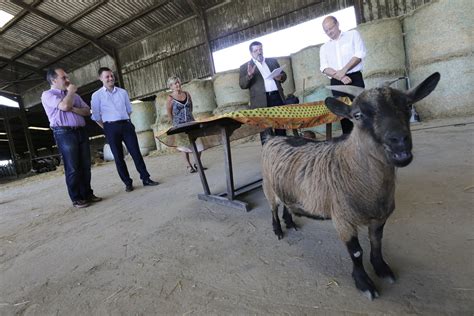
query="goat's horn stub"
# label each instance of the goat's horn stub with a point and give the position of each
(352, 90)
(390, 82)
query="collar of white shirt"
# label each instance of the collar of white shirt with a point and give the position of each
(106, 90)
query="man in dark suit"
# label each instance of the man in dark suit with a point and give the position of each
(264, 90)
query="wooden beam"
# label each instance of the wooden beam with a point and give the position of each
(24, 124)
(202, 17)
(65, 26)
(22, 65)
(11, 144)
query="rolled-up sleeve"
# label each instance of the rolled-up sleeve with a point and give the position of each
(359, 47)
(95, 107)
(323, 60)
(50, 100)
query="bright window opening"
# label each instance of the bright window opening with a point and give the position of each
(283, 42)
(8, 102)
(4, 18)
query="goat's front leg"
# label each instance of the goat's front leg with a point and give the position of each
(362, 280)
(380, 266)
(276, 221)
(288, 218)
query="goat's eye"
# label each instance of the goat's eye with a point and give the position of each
(357, 115)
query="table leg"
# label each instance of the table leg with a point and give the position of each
(328, 131)
(205, 186)
(228, 163)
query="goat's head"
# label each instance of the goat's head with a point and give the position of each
(384, 114)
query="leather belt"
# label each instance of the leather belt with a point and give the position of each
(118, 122)
(66, 128)
(272, 92)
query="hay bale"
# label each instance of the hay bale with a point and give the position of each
(227, 89)
(202, 94)
(146, 142)
(305, 66)
(385, 58)
(449, 51)
(289, 84)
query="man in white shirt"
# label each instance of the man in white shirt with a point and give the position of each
(341, 59)
(111, 109)
(265, 91)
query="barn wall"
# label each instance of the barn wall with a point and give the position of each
(182, 50)
(80, 77)
(370, 10)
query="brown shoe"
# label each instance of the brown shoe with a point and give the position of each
(93, 199)
(80, 204)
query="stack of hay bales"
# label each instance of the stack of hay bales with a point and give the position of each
(143, 116)
(202, 94)
(161, 122)
(229, 96)
(385, 59)
(309, 81)
(289, 84)
(439, 37)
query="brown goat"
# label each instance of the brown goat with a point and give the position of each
(351, 179)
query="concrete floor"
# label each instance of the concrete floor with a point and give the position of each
(159, 250)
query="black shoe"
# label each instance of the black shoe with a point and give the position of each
(80, 204)
(149, 182)
(129, 188)
(93, 199)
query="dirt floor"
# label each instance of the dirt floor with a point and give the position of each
(159, 250)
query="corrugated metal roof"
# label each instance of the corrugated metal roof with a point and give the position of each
(71, 34)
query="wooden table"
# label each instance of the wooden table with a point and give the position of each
(223, 127)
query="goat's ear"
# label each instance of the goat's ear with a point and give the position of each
(338, 107)
(424, 88)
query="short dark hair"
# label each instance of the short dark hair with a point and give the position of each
(254, 43)
(102, 69)
(51, 74)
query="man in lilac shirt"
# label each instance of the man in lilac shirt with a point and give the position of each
(66, 111)
(111, 110)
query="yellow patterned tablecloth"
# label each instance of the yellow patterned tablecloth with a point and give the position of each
(293, 116)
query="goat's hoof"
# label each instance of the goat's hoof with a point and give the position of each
(292, 225)
(384, 272)
(365, 285)
(390, 279)
(371, 294)
(279, 234)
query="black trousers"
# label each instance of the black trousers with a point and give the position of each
(273, 100)
(358, 81)
(124, 131)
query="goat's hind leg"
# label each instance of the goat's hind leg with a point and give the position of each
(276, 221)
(288, 219)
(380, 266)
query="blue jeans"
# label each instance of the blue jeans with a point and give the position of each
(73, 144)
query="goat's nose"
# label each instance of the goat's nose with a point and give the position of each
(399, 139)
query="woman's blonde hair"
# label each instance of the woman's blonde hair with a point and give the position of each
(172, 80)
